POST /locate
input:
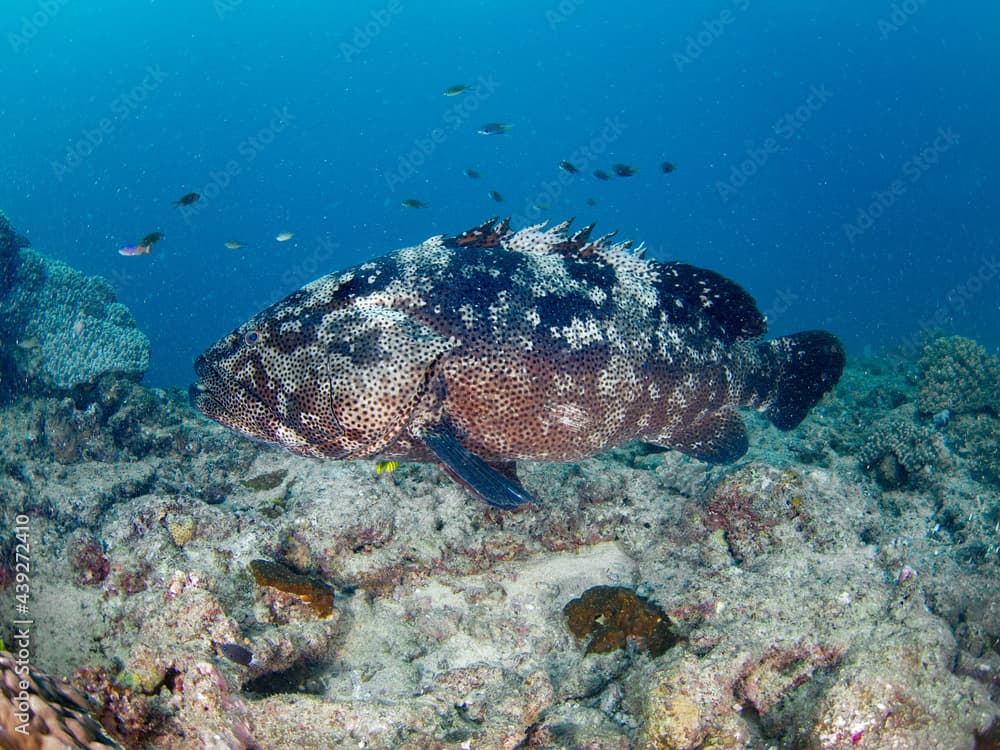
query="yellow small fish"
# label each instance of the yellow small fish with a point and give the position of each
(284, 236)
(234, 244)
(384, 467)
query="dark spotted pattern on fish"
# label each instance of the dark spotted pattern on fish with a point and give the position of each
(496, 346)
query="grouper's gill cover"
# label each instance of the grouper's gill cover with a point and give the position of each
(496, 346)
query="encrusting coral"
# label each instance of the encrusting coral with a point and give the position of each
(314, 592)
(612, 616)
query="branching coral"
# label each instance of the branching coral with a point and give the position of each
(897, 450)
(958, 375)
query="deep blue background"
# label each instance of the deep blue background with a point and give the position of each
(702, 84)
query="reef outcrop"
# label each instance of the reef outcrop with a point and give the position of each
(62, 330)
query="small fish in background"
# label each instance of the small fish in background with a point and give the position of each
(284, 236)
(494, 128)
(412, 203)
(667, 167)
(386, 467)
(458, 88)
(624, 170)
(601, 174)
(471, 173)
(496, 196)
(235, 652)
(133, 250)
(591, 201)
(187, 199)
(566, 166)
(152, 238)
(234, 244)
(29, 343)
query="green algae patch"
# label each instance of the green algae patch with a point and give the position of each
(612, 616)
(267, 481)
(314, 592)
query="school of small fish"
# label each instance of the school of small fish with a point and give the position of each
(619, 169)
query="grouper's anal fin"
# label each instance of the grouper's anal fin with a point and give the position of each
(718, 437)
(478, 477)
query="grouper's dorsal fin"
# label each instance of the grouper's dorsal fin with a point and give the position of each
(577, 245)
(490, 233)
(538, 240)
(729, 309)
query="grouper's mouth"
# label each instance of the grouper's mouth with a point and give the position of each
(207, 394)
(200, 398)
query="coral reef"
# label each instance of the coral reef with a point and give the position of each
(87, 559)
(897, 451)
(124, 713)
(756, 508)
(958, 375)
(798, 603)
(67, 329)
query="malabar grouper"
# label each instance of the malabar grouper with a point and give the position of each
(496, 346)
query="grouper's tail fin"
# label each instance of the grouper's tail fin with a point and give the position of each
(806, 366)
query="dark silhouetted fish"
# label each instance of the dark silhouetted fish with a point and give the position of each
(187, 199)
(496, 346)
(235, 652)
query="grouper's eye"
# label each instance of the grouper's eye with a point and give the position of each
(252, 337)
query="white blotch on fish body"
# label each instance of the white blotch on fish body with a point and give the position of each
(581, 333)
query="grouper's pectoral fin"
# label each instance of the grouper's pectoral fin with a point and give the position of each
(486, 482)
(718, 437)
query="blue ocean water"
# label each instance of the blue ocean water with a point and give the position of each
(838, 161)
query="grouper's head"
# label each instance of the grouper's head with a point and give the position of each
(321, 373)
